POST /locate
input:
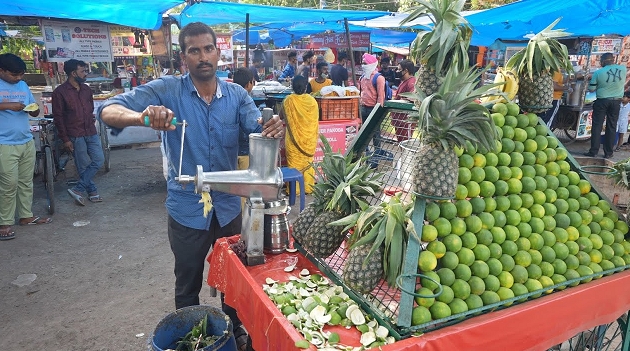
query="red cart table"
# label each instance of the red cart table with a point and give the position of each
(533, 325)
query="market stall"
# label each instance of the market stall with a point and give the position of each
(534, 325)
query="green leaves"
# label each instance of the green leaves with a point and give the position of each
(544, 53)
(197, 338)
(446, 45)
(386, 225)
(452, 116)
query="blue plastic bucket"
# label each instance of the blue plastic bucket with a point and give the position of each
(177, 324)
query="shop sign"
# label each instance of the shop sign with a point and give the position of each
(124, 42)
(224, 41)
(338, 40)
(85, 41)
(602, 46)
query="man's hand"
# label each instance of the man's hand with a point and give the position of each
(14, 106)
(274, 128)
(69, 146)
(160, 117)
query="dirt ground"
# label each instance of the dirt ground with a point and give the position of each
(102, 273)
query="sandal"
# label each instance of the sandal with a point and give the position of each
(95, 198)
(35, 220)
(78, 199)
(243, 342)
(6, 232)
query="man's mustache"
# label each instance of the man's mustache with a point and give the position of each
(205, 65)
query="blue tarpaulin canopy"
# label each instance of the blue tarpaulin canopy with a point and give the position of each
(283, 33)
(215, 12)
(579, 17)
(144, 14)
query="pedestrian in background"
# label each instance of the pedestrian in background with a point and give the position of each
(321, 80)
(622, 122)
(289, 69)
(215, 112)
(301, 113)
(304, 69)
(608, 83)
(400, 121)
(339, 72)
(17, 148)
(73, 111)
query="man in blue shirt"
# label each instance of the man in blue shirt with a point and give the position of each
(608, 83)
(215, 112)
(17, 148)
(289, 70)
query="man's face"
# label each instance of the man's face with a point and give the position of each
(293, 60)
(323, 70)
(81, 72)
(385, 66)
(10, 77)
(201, 56)
(625, 99)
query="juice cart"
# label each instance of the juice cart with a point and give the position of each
(574, 118)
(559, 316)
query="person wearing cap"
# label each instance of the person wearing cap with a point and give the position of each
(371, 95)
(608, 83)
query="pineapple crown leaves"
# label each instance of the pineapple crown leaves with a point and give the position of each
(447, 42)
(451, 116)
(543, 53)
(343, 184)
(386, 225)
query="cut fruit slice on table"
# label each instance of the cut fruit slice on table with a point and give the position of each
(31, 107)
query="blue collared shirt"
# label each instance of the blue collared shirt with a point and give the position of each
(211, 140)
(288, 71)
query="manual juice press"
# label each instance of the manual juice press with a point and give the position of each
(265, 224)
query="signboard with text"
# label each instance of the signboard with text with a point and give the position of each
(123, 41)
(85, 41)
(224, 43)
(601, 46)
(338, 40)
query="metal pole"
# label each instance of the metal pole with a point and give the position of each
(354, 78)
(247, 40)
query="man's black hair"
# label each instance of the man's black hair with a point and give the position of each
(192, 30)
(321, 65)
(243, 76)
(627, 94)
(72, 65)
(12, 63)
(292, 54)
(307, 55)
(408, 65)
(342, 56)
(385, 59)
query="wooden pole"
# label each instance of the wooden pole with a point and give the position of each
(351, 54)
(247, 40)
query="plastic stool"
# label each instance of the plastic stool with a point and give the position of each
(291, 175)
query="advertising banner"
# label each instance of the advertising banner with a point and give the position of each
(601, 46)
(85, 41)
(124, 39)
(338, 40)
(224, 43)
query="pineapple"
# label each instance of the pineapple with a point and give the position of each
(442, 48)
(303, 222)
(342, 188)
(377, 244)
(362, 271)
(450, 118)
(535, 66)
(535, 95)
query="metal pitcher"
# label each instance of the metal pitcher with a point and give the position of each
(276, 227)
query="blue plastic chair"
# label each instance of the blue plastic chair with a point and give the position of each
(292, 175)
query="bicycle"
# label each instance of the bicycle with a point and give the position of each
(51, 154)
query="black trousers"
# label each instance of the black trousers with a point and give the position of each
(604, 109)
(190, 248)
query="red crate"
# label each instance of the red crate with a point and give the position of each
(338, 108)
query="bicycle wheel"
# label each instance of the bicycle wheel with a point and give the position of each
(49, 178)
(105, 145)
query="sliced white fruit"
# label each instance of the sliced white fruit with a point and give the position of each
(31, 107)
(289, 269)
(381, 332)
(357, 317)
(351, 309)
(304, 272)
(368, 338)
(270, 281)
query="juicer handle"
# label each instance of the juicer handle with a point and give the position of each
(267, 114)
(148, 123)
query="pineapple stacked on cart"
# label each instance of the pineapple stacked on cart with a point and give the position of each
(502, 213)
